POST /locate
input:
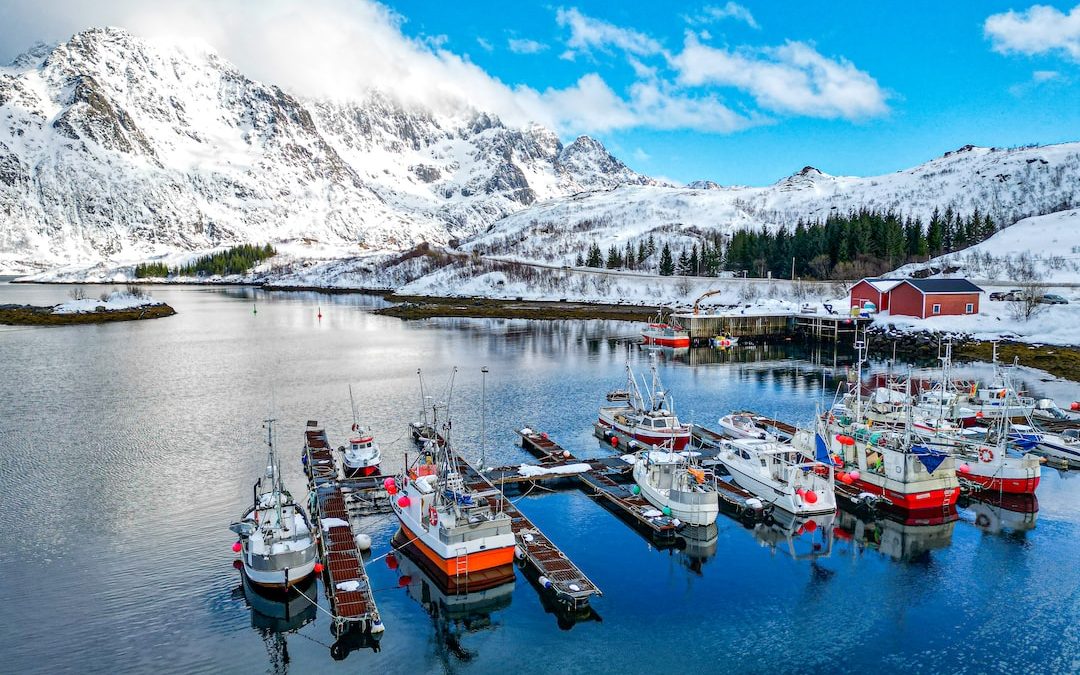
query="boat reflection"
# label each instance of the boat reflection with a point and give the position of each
(801, 537)
(273, 617)
(910, 540)
(698, 545)
(455, 611)
(1013, 513)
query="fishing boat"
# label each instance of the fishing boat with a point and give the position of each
(276, 545)
(666, 335)
(422, 429)
(671, 483)
(458, 530)
(780, 475)
(910, 476)
(362, 455)
(649, 420)
(1064, 447)
(740, 425)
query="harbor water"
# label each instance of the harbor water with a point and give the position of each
(126, 449)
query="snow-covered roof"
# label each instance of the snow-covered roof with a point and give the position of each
(884, 285)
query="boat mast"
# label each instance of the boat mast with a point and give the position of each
(423, 400)
(352, 404)
(274, 468)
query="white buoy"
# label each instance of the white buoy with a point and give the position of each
(575, 587)
(545, 582)
(676, 522)
(363, 542)
(519, 552)
(378, 626)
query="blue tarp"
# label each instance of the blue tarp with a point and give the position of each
(931, 459)
(822, 455)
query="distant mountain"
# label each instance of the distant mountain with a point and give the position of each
(1007, 184)
(115, 147)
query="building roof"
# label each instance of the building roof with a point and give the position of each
(884, 285)
(944, 285)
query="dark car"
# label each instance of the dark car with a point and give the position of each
(1053, 299)
(1014, 294)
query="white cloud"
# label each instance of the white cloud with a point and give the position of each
(640, 155)
(792, 78)
(587, 33)
(1039, 79)
(1037, 30)
(1045, 75)
(485, 44)
(525, 46)
(731, 10)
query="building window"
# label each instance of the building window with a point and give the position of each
(937, 309)
(969, 308)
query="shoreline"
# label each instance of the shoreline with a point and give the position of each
(29, 315)
(412, 307)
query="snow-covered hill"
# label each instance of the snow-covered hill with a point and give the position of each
(114, 148)
(1006, 184)
(1040, 248)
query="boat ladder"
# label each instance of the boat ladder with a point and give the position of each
(461, 569)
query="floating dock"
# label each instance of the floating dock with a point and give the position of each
(347, 586)
(548, 566)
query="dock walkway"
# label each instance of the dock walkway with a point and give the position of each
(347, 586)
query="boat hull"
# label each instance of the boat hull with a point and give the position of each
(997, 483)
(474, 580)
(679, 440)
(667, 341)
(783, 499)
(928, 501)
(700, 514)
(360, 471)
(469, 564)
(275, 579)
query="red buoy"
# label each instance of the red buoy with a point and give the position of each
(844, 439)
(810, 525)
(319, 568)
(237, 565)
(614, 441)
(391, 561)
(404, 580)
(1075, 405)
(237, 547)
(810, 497)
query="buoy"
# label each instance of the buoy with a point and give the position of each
(855, 474)
(237, 547)
(1075, 405)
(666, 510)
(544, 435)
(635, 489)
(846, 479)
(810, 525)
(404, 501)
(363, 542)
(391, 561)
(810, 497)
(545, 582)
(979, 414)
(404, 580)
(320, 312)
(676, 522)
(844, 439)
(390, 485)
(519, 553)
(800, 491)
(318, 568)
(964, 468)
(566, 454)
(254, 309)
(614, 441)
(237, 565)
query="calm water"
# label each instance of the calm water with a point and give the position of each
(126, 450)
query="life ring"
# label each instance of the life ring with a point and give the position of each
(433, 516)
(986, 455)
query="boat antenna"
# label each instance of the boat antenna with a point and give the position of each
(483, 417)
(352, 404)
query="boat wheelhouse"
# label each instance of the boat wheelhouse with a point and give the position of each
(648, 420)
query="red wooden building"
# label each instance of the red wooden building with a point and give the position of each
(918, 297)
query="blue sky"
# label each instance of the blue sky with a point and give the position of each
(739, 93)
(942, 81)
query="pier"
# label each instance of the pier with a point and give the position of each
(758, 327)
(348, 588)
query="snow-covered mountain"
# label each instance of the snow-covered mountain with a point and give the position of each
(114, 147)
(1007, 184)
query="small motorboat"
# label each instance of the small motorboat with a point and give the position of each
(666, 335)
(362, 455)
(276, 545)
(1047, 410)
(650, 420)
(1064, 447)
(738, 425)
(679, 489)
(779, 474)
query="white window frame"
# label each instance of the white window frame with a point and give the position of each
(969, 308)
(935, 309)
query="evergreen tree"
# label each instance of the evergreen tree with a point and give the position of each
(694, 266)
(935, 234)
(642, 254)
(650, 247)
(614, 260)
(594, 259)
(579, 261)
(683, 265)
(628, 257)
(667, 265)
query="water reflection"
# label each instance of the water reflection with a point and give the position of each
(275, 616)
(1004, 513)
(910, 541)
(802, 538)
(456, 611)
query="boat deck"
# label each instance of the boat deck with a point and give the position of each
(539, 555)
(341, 559)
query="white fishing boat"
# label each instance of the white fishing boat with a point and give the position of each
(672, 484)
(361, 457)
(740, 425)
(1064, 447)
(276, 545)
(650, 420)
(780, 475)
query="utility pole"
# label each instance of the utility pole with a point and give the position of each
(793, 268)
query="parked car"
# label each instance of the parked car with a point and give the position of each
(1053, 299)
(1014, 294)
